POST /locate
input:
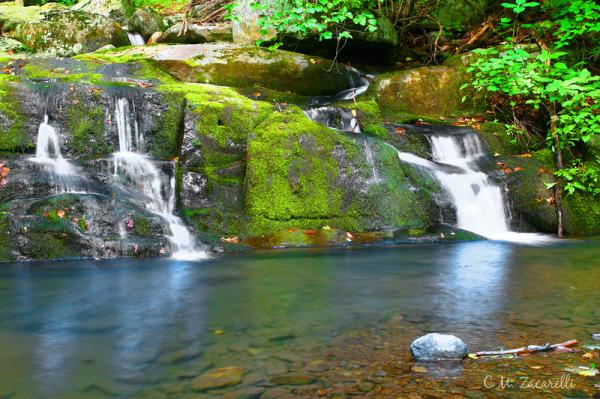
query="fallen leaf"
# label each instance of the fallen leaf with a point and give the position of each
(292, 230)
(518, 169)
(326, 227)
(507, 171)
(231, 240)
(310, 232)
(525, 155)
(496, 154)
(588, 355)
(501, 164)
(541, 169)
(536, 367)
(218, 332)
(256, 94)
(60, 213)
(162, 251)
(550, 200)
(354, 112)
(401, 131)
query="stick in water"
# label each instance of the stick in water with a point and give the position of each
(528, 349)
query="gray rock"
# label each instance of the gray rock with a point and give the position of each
(146, 21)
(66, 33)
(596, 337)
(197, 34)
(436, 346)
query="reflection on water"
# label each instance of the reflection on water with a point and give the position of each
(115, 328)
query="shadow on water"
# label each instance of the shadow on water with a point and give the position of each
(128, 325)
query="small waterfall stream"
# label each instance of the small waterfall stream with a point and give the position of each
(135, 38)
(48, 154)
(479, 202)
(139, 171)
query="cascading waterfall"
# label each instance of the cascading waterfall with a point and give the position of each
(140, 171)
(135, 38)
(479, 202)
(335, 118)
(48, 154)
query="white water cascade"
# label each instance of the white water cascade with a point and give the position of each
(135, 38)
(159, 195)
(479, 202)
(48, 154)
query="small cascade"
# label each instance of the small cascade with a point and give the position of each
(479, 202)
(335, 118)
(48, 154)
(139, 171)
(375, 178)
(135, 38)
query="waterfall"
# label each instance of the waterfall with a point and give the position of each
(135, 38)
(479, 202)
(335, 118)
(48, 154)
(139, 171)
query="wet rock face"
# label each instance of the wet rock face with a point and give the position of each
(85, 117)
(436, 346)
(67, 33)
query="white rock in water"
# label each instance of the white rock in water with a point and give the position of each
(596, 337)
(436, 346)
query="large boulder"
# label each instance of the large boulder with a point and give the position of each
(430, 91)
(436, 346)
(461, 14)
(115, 9)
(66, 33)
(12, 16)
(303, 175)
(228, 64)
(246, 30)
(197, 34)
(146, 21)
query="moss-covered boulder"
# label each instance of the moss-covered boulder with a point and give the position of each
(303, 175)
(212, 166)
(228, 64)
(66, 33)
(12, 16)
(461, 14)
(431, 91)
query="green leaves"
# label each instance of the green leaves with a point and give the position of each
(326, 19)
(520, 6)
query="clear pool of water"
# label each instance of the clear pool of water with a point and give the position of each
(147, 328)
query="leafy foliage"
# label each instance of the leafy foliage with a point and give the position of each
(326, 19)
(544, 79)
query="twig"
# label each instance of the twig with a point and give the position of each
(528, 349)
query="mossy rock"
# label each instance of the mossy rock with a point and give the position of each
(430, 91)
(582, 214)
(12, 15)
(461, 14)
(12, 118)
(303, 175)
(368, 114)
(231, 65)
(66, 33)
(212, 166)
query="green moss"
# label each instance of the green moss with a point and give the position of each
(169, 126)
(142, 226)
(12, 134)
(291, 174)
(499, 140)
(423, 92)
(582, 214)
(86, 124)
(4, 237)
(52, 245)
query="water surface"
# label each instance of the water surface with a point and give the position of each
(146, 328)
